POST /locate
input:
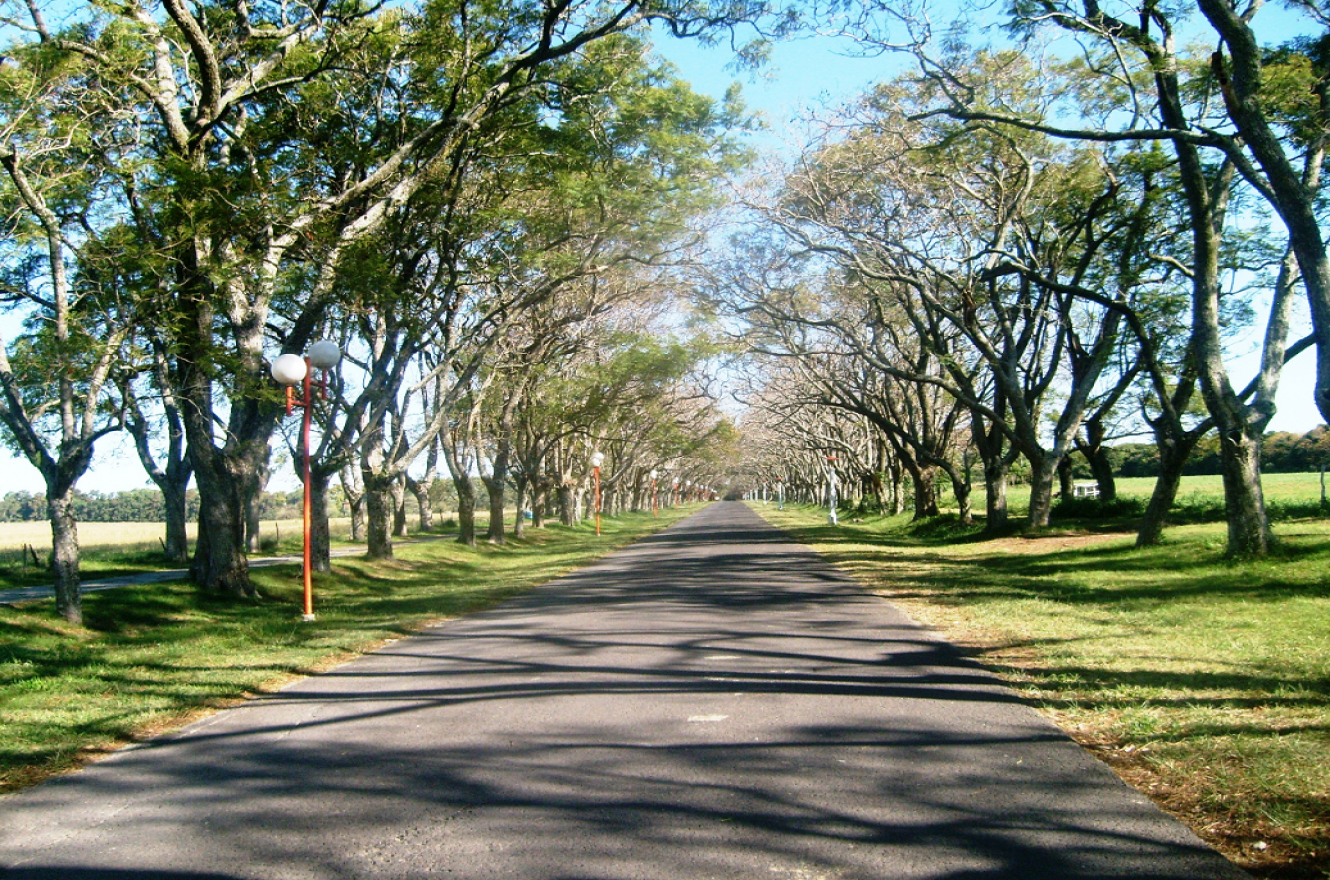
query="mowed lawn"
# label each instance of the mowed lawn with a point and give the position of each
(1204, 681)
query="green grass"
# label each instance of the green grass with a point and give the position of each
(151, 658)
(16, 571)
(101, 559)
(1200, 499)
(116, 549)
(1203, 681)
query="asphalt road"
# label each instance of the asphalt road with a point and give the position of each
(713, 702)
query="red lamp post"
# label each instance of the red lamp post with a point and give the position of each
(596, 459)
(655, 499)
(291, 370)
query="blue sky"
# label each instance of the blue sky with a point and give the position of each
(801, 74)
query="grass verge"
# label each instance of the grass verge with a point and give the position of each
(1204, 682)
(152, 658)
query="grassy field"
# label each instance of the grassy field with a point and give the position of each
(1204, 682)
(114, 549)
(136, 536)
(1279, 488)
(1199, 499)
(151, 658)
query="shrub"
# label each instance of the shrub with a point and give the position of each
(1097, 509)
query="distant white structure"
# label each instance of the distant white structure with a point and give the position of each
(1085, 490)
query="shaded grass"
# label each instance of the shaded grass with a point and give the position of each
(150, 658)
(18, 570)
(1204, 681)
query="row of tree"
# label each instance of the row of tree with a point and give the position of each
(1025, 249)
(490, 208)
(480, 203)
(870, 470)
(141, 506)
(1281, 453)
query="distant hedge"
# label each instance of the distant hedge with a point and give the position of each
(1282, 453)
(134, 505)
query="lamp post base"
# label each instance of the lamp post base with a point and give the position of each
(307, 617)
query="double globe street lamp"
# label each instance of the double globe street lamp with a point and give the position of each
(291, 370)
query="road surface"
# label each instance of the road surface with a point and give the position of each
(712, 702)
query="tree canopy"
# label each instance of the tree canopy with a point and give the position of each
(533, 240)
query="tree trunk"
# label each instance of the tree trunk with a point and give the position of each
(923, 478)
(494, 486)
(223, 474)
(419, 490)
(379, 511)
(355, 500)
(567, 505)
(1043, 471)
(466, 508)
(175, 505)
(997, 516)
(1173, 455)
(1207, 201)
(172, 478)
(1066, 479)
(519, 522)
(1096, 453)
(539, 499)
(960, 487)
(895, 473)
(398, 489)
(1244, 502)
(319, 539)
(220, 564)
(65, 554)
(879, 492)
(254, 500)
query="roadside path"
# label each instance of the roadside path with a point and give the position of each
(28, 594)
(712, 702)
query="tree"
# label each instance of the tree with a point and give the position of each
(1131, 63)
(920, 219)
(56, 379)
(1273, 122)
(273, 139)
(169, 468)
